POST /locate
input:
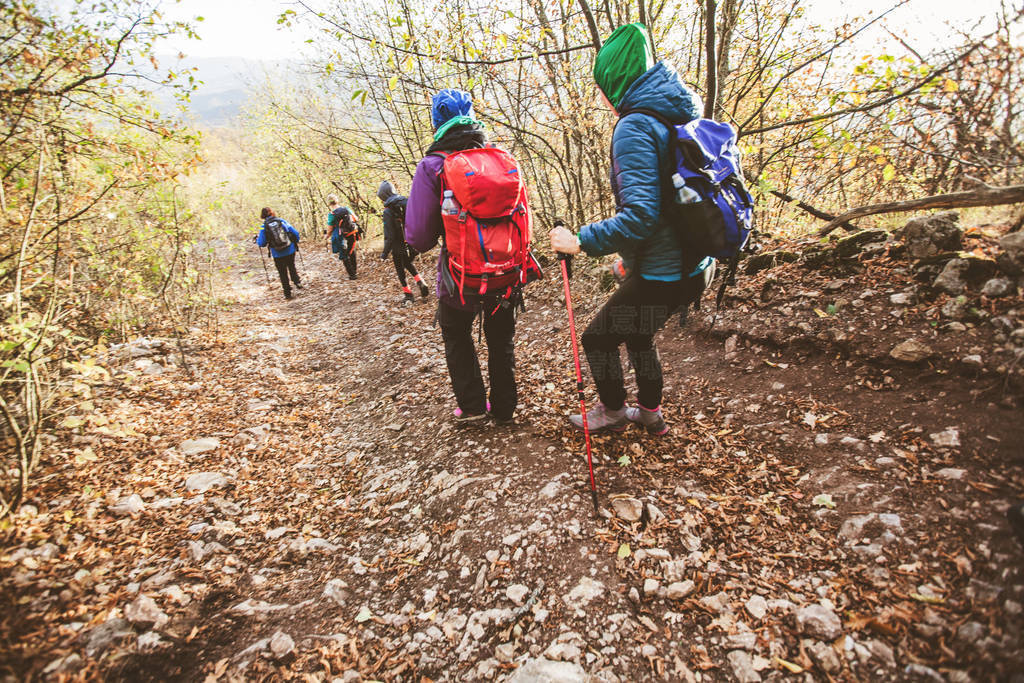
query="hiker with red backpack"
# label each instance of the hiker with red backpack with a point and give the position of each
(471, 196)
(393, 219)
(282, 240)
(344, 233)
(661, 274)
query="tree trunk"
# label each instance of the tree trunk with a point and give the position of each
(595, 36)
(712, 62)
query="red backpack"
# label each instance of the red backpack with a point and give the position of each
(487, 223)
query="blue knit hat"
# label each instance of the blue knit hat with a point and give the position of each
(449, 103)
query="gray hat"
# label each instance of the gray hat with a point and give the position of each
(385, 191)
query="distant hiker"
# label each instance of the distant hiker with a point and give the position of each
(657, 283)
(344, 232)
(282, 239)
(394, 240)
(469, 283)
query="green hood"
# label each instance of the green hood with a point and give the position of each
(625, 56)
(452, 122)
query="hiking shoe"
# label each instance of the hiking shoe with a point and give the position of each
(649, 419)
(458, 411)
(462, 418)
(600, 419)
(409, 299)
(424, 290)
(298, 285)
(502, 421)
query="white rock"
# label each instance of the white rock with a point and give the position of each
(629, 509)
(128, 505)
(505, 652)
(717, 602)
(335, 590)
(757, 606)
(546, 671)
(144, 611)
(281, 645)
(678, 590)
(651, 586)
(819, 621)
(743, 666)
(741, 641)
(149, 640)
(911, 351)
(176, 595)
(196, 446)
(859, 526)
(550, 490)
(204, 481)
(585, 591)
(947, 438)
(517, 593)
(951, 473)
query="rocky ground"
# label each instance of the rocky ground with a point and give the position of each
(285, 497)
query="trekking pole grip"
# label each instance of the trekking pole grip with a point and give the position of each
(559, 223)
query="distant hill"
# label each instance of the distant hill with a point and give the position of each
(227, 85)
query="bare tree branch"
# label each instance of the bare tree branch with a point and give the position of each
(986, 196)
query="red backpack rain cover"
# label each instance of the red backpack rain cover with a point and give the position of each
(488, 240)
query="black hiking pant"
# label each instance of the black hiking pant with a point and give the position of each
(464, 366)
(286, 267)
(632, 315)
(349, 259)
(403, 262)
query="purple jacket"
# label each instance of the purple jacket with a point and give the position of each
(423, 226)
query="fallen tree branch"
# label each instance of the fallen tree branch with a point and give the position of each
(817, 213)
(988, 196)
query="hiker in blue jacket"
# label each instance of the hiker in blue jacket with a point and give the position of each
(275, 233)
(656, 283)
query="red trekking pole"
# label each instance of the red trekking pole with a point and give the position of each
(563, 260)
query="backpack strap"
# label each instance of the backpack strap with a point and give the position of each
(673, 133)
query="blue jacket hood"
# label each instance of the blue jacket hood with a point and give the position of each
(641, 159)
(660, 89)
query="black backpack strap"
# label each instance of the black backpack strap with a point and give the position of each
(673, 133)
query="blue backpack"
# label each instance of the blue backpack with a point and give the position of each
(718, 220)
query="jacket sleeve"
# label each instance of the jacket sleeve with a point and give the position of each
(637, 148)
(423, 209)
(387, 217)
(291, 230)
(261, 239)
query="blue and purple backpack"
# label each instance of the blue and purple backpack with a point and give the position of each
(707, 158)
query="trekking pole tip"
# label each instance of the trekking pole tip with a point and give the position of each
(593, 499)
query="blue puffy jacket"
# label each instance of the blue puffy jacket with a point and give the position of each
(640, 173)
(261, 240)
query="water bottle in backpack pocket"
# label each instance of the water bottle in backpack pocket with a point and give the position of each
(713, 211)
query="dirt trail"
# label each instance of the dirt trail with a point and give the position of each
(805, 514)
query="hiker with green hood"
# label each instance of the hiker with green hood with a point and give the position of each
(656, 283)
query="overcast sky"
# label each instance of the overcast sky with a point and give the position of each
(234, 29)
(249, 29)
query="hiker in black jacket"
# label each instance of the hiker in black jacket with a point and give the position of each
(394, 240)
